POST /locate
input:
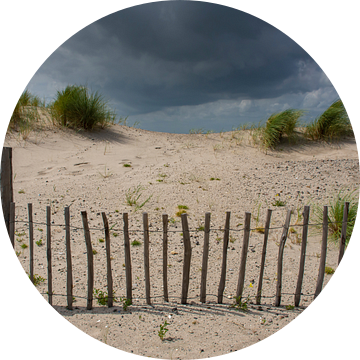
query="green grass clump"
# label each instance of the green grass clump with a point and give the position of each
(135, 243)
(335, 214)
(279, 124)
(182, 207)
(25, 114)
(333, 123)
(78, 108)
(329, 270)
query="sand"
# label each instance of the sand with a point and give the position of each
(207, 173)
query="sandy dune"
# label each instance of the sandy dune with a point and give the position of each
(207, 173)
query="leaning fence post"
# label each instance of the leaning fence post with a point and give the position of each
(187, 258)
(48, 252)
(266, 235)
(224, 258)
(90, 258)
(146, 257)
(323, 253)
(108, 261)
(31, 242)
(127, 257)
(303, 254)
(240, 285)
(205, 258)
(69, 278)
(12, 224)
(343, 231)
(165, 256)
(6, 179)
(280, 259)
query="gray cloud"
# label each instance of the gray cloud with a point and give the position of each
(185, 56)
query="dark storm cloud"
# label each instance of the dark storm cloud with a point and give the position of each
(169, 54)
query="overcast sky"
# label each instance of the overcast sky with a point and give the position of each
(175, 66)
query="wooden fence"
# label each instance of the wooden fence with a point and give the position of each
(186, 256)
(9, 215)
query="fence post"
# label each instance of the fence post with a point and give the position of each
(240, 285)
(205, 258)
(146, 257)
(280, 260)
(187, 258)
(108, 261)
(303, 254)
(69, 279)
(31, 242)
(224, 258)
(90, 258)
(165, 256)
(12, 224)
(48, 252)
(127, 257)
(343, 231)
(323, 253)
(266, 235)
(6, 179)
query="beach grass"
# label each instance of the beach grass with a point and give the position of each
(277, 125)
(78, 108)
(335, 214)
(332, 124)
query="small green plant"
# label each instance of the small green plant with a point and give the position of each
(37, 279)
(180, 212)
(290, 307)
(329, 270)
(39, 242)
(182, 207)
(115, 234)
(125, 303)
(196, 131)
(18, 253)
(200, 228)
(106, 173)
(163, 330)
(212, 179)
(101, 240)
(94, 252)
(232, 239)
(21, 191)
(132, 196)
(241, 305)
(135, 243)
(278, 202)
(24, 246)
(127, 165)
(102, 296)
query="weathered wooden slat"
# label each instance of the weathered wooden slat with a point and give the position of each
(224, 258)
(90, 261)
(31, 242)
(48, 252)
(69, 277)
(343, 231)
(205, 258)
(303, 255)
(280, 258)
(321, 274)
(110, 302)
(165, 256)
(12, 224)
(6, 184)
(263, 256)
(241, 280)
(187, 259)
(146, 257)
(127, 257)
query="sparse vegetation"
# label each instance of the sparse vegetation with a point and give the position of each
(333, 123)
(132, 196)
(102, 296)
(163, 330)
(135, 243)
(329, 270)
(335, 214)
